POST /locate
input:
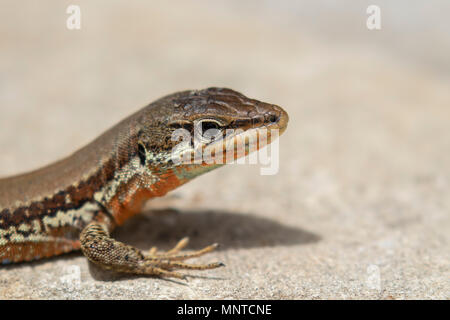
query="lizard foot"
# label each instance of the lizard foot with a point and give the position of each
(108, 253)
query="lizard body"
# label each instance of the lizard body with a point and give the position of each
(76, 202)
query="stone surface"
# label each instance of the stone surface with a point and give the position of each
(360, 206)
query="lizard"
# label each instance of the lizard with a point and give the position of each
(75, 203)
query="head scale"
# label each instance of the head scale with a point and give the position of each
(205, 117)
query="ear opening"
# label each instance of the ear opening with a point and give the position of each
(142, 153)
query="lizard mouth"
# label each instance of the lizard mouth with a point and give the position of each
(240, 138)
(247, 135)
(275, 119)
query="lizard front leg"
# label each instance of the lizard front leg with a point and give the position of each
(101, 249)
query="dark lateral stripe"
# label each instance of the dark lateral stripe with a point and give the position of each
(49, 207)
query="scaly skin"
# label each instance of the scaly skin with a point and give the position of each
(75, 203)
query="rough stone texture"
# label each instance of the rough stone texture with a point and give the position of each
(360, 207)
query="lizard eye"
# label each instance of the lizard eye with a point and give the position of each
(142, 153)
(209, 129)
(207, 125)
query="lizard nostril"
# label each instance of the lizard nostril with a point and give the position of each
(271, 118)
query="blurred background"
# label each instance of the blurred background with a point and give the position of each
(360, 206)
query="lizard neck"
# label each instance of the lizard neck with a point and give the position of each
(125, 195)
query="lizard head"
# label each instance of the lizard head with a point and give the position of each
(193, 131)
(183, 135)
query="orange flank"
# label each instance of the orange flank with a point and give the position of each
(131, 196)
(27, 251)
